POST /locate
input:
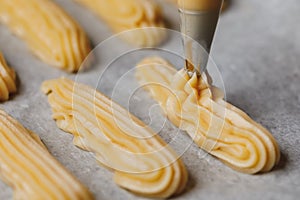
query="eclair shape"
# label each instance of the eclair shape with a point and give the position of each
(141, 161)
(142, 19)
(7, 80)
(50, 33)
(196, 106)
(27, 166)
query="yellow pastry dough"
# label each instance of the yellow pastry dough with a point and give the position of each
(7, 80)
(197, 107)
(50, 33)
(27, 166)
(141, 161)
(202, 5)
(123, 15)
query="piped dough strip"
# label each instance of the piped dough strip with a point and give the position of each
(27, 166)
(131, 16)
(7, 80)
(51, 34)
(142, 162)
(197, 107)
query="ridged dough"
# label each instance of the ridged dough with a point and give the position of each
(27, 166)
(194, 105)
(49, 31)
(123, 15)
(142, 162)
(7, 80)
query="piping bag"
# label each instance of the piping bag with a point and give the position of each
(198, 22)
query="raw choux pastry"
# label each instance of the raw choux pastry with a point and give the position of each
(27, 166)
(141, 161)
(200, 4)
(7, 80)
(197, 107)
(50, 33)
(132, 15)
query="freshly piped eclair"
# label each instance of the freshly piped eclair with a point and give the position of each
(7, 80)
(142, 19)
(142, 162)
(27, 166)
(196, 106)
(50, 33)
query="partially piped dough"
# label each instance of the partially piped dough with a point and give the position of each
(7, 80)
(141, 161)
(131, 16)
(197, 107)
(27, 166)
(50, 33)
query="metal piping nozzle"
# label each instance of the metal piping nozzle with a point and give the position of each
(198, 29)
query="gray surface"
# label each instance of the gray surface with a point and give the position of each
(257, 49)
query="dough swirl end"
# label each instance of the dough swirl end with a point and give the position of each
(196, 106)
(7, 80)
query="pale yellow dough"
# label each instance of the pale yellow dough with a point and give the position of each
(133, 15)
(197, 107)
(203, 5)
(7, 80)
(50, 32)
(142, 162)
(27, 166)
(200, 5)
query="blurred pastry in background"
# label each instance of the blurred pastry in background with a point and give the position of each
(141, 18)
(50, 33)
